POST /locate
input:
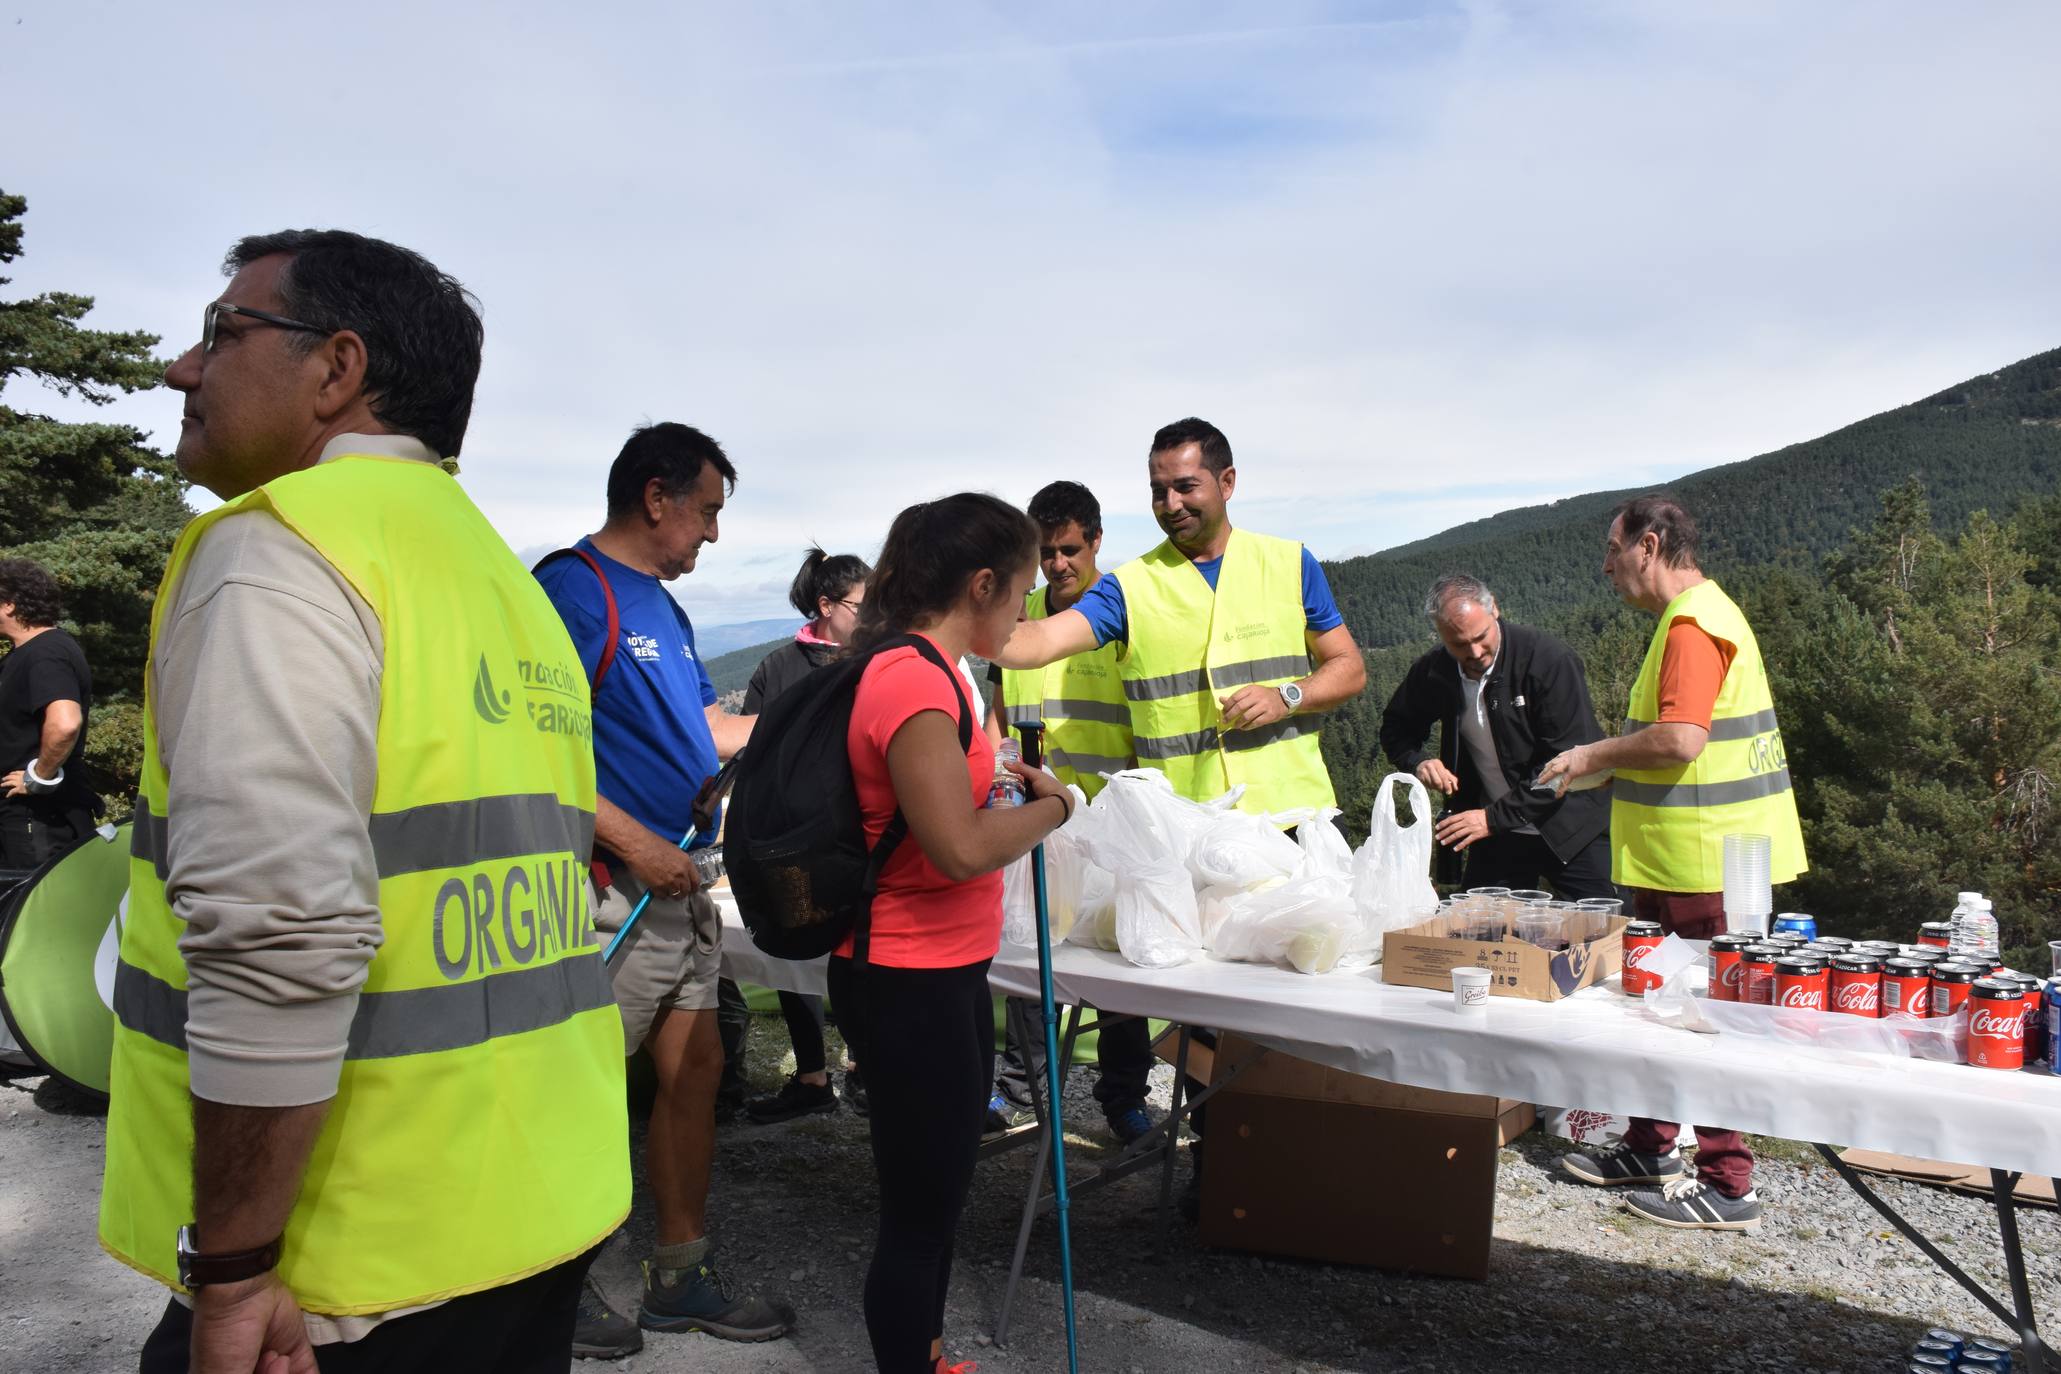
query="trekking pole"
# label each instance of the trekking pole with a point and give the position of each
(1033, 756)
(705, 804)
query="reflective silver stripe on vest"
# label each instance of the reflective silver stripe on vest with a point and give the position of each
(1700, 793)
(1017, 715)
(1180, 746)
(390, 1025)
(1089, 764)
(456, 834)
(1160, 688)
(462, 833)
(1730, 729)
(1260, 670)
(1099, 712)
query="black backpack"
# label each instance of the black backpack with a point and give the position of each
(795, 844)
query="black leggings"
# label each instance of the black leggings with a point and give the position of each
(926, 1038)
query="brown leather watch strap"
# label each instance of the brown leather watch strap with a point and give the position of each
(198, 1269)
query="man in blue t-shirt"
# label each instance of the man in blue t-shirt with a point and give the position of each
(1192, 478)
(658, 737)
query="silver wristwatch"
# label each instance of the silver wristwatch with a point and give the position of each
(1291, 697)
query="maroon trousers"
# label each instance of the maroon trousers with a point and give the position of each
(1723, 1161)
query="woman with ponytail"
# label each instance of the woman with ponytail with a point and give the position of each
(829, 590)
(917, 1008)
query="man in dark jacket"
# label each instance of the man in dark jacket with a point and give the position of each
(1506, 698)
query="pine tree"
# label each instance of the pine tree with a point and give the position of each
(93, 503)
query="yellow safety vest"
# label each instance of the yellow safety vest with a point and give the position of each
(477, 1133)
(1190, 646)
(1081, 701)
(1668, 825)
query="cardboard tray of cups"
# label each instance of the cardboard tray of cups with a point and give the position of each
(1424, 956)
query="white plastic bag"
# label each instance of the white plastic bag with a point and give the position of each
(1391, 872)
(1157, 923)
(1242, 852)
(1065, 866)
(1324, 849)
(1307, 922)
(1095, 922)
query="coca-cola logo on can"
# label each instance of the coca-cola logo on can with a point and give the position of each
(1635, 956)
(1859, 996)
(2003, 1025)
(1806, 998)
(1733, 974)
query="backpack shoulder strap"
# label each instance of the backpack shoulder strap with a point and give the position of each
(615, 623)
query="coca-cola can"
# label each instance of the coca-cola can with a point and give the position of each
(1728, 967)
(1838, 942)
(1935, 933)
(1641, 938)
(1801, 983)
(1857, 985)
(1996, 1024)
(1906, 987)
(1757, 974)
(1950, 984)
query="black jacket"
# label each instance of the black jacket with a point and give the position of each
(1537, 701)
(781, 669)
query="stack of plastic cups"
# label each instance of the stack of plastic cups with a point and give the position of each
(1749, 895)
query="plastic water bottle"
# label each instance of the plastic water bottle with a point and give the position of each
(1957, 933)
(1978, 928)
(1007, 789)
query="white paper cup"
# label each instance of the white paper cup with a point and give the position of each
(1471, 990)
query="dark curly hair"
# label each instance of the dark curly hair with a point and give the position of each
(38, 600)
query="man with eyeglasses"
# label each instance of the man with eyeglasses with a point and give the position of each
(367, 1107)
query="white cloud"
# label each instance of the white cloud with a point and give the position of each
(1421, 263)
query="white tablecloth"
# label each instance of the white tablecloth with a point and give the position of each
(1597, 1049)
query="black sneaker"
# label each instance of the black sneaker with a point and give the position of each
(1004, 1116)
(794, 1099)
(1620, 1165)
(729, 1102)
(855, 1093)
(601, 1332)
(1130, 1125)
(696, 1300)
(1694, 1206)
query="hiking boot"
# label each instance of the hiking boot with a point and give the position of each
(1691, 1205)
(696, 1300)
(1620, 1165)
(1130, 1125)
(600, 1332)
(855, 1092)
(794, 1099)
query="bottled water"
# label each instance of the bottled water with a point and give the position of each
(1978, 929)
(1958, 940)
(1007, 789)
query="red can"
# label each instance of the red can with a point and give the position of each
(1641, 938)
(1728, 967)
(1757, 974)
(1857, 985)
(1935, 933)
(1950, 984)
(1996, 1024)
(1802, 984)
(1906, 988)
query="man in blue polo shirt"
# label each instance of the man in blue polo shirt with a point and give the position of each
(658, 737)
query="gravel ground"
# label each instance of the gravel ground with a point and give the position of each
(1575, 1283)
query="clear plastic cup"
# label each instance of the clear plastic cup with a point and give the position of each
(1609, 906)
(1546, 929)
(1747, 870)
(1530, 896)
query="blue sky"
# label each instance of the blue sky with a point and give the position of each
(1421, 262)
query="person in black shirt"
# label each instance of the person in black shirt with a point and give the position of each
(828, 590)
(46, 691)
(1506, 698)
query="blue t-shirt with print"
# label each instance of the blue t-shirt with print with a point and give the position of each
(652, 746)
(1103, 603)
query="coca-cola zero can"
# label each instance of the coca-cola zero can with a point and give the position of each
(1757, 974)
(1641, 938)
(1801, 983)
(1950, 984)
(1856, 987)
(1935, 933)
(1728, 968)
(1906, 987)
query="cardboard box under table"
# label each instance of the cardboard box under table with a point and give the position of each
(1423, 956)
(1320, 1164)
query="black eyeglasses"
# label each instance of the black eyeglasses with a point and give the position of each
(217, 309)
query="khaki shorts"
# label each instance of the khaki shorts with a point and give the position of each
(671, 959)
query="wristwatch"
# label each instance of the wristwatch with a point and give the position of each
(198, 1271)
(1291, 697)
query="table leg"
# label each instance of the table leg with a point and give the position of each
(1171, 1146)
(2013, 1256)
(2031, 1355)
